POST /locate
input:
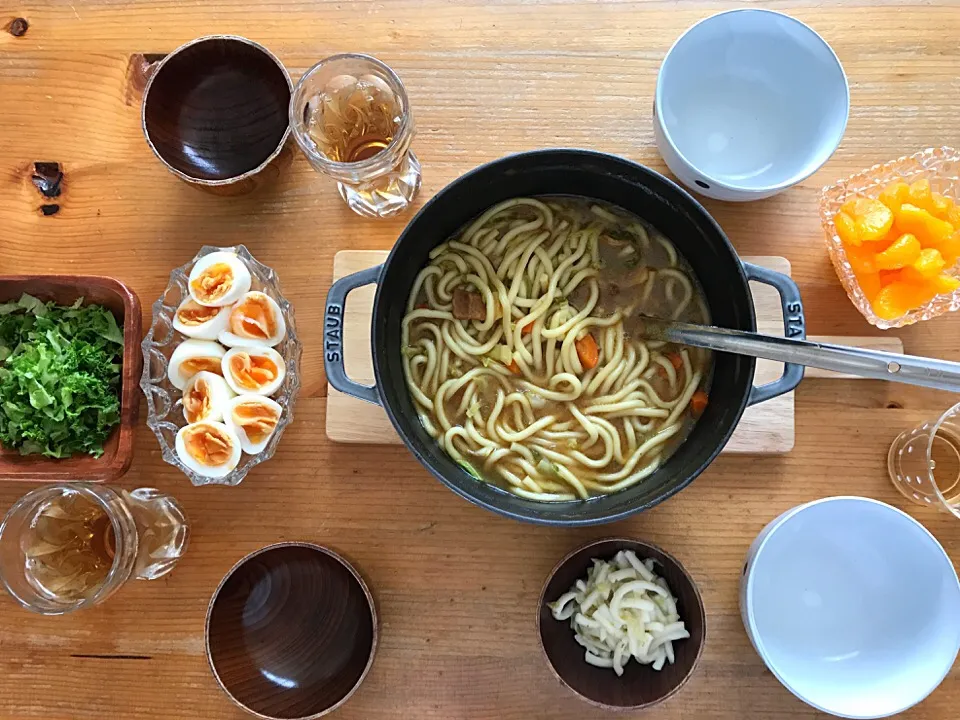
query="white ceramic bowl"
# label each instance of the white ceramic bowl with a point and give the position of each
(748, 103)
(853, 605)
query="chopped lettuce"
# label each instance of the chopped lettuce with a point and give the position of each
(59, 377)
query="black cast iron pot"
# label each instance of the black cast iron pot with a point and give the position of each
(723, 277)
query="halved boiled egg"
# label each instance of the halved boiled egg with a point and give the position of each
(208, 448)
(253, 418)
(219, 279)
(206, 397)
(253, 369)
(200, 321)
(255, 319)
(192, 356)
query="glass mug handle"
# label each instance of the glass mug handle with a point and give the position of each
(162, 532)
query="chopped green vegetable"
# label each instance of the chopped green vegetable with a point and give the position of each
(59, 377)
(547, 467)
(472, 471)
(501, 353)
(473, 412)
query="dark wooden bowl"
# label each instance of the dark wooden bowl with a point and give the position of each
(215, 111)
(640, 686)
(118, 450)
(291, 632)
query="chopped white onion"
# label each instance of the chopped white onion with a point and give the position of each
(623, 610)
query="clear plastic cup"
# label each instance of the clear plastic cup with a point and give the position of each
(924, 463)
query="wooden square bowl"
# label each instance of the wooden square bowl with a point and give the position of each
(118, 450)
(640, 686)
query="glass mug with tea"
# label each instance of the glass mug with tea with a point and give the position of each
(351, 117)
(71, 546)
(924, 463)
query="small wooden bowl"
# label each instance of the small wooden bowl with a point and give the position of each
(291, 632)
(118, 449)
(215, 113)
(640, 686)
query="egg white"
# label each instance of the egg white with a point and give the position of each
(219, 394)
(245, 443)
(254, 351)
(204, 331)
(226, 337)
(188, 350)
(209, 470)
(241, 277)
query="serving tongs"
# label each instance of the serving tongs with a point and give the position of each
(908, 369)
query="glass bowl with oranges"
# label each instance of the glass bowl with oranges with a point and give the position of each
(893, 234)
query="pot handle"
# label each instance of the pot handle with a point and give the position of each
(333, 317)
(794, 326)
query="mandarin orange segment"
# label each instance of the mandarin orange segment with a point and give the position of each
(889, 276)
(869, 284)
(927, 229)
(930, 263)
(846, 229)
(902, 296)
(902, 252)
(887, 304)
(953, 216)
(940, 206)
(861, 260)
(873, 219)
(894, 195)
(920, 194)
(945, 284)
(948, 248)
(850, 207)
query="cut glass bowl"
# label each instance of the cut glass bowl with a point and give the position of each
(165, 412)
(941, 166)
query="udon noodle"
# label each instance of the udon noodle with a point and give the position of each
(522, 353)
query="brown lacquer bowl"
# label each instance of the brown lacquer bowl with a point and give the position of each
(215, 113)
(291, 632)
(640, 686)
(118, 449)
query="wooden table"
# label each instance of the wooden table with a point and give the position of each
(456, 586)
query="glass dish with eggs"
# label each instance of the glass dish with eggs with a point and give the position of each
(220, 366)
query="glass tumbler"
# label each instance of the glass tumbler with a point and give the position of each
(351, 117)
(924, 463)
(70, 546)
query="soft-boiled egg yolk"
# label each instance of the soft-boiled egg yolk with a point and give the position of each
(253, 318)
(208, 444)
(194, 365)
(253, 371)
(213, 283)
(194, 314)
(198, 401)
(257, 419)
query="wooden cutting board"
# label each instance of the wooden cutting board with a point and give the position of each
(764, 429)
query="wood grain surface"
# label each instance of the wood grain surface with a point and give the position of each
(764, 429)
(456, 586)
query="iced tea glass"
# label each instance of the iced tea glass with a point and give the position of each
(70, 546)
(351, 117)
(924, 463)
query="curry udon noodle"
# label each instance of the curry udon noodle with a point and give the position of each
(523, 354)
